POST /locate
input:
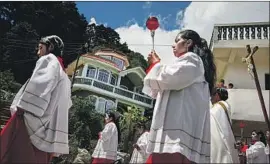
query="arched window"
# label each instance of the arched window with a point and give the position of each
(103, 75)
(118, 62)
(100, 107)
(91, 71)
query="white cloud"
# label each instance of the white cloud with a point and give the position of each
(147, 5)
(199, 16)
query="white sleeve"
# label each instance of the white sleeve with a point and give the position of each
(143, 143)
(107, 132)
(36, 97)
(253, 152)
(186, 71)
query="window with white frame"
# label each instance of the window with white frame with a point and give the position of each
(109, 105)
(106, 57)
(91, 71)
(118, 62)
(103, 75)
(113, 79)
(100, 107)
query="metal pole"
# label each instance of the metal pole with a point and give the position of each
(74, 72)
(153, 39)
(84, 48)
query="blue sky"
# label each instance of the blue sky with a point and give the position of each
(118, 14)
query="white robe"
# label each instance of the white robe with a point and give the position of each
(140, 156)
(256, 153)
(181, 118)
(107, 144)
(46, 98)
(267, 152)
(222, 138)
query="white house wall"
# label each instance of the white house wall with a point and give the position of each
(237, 74)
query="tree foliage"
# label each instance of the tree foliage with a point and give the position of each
(84, 125)
(128, 124)
(99, 36)
(24, 23)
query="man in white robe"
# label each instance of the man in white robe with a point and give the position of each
(256, 152)
(222, 139)
(139, 154)
(38, 128)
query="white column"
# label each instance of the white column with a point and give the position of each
(96, 73)
(115, 104)
(84, 71)
(119, 80)
(110, 76)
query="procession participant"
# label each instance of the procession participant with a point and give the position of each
(256, 152)
(106, 148)
(180, 130)
(267, 134)
(139, 154)
(222, 139)
(38, 128)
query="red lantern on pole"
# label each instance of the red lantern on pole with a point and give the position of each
(242, 125)
(152, 24)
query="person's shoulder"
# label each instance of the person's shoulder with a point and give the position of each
(49, 59)
(190, 57)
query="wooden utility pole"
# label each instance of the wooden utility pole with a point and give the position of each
(253, 72)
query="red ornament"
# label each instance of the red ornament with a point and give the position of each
(242, 125)
(152, 23)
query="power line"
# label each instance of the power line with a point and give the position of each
(73, 44)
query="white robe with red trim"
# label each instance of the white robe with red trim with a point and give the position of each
(140, 156)
(222, 138)
(181, 118)
(46, 100)
(107, 144)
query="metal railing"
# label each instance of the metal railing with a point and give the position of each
(243, 31)
(114, 89)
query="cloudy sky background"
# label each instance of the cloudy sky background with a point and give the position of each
(199, 16)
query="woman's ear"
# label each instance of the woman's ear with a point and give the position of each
(189, 43)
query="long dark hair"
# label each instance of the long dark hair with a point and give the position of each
(200, 48)
(261, 137)
(115, 119)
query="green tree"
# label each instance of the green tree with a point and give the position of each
(129, 121)
(84, 125)
(24, 23)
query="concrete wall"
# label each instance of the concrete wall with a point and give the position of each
(238, 75)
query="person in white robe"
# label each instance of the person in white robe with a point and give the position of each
(267, 134)
(256, 152)
(180, 130)
(40, 109)
(223, 148)
(106, 148)
(139, 154)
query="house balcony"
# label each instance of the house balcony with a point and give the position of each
(239, 35)
(228, 44)
(113, 91)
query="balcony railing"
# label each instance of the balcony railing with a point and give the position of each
(114, 89)
(247, 31)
